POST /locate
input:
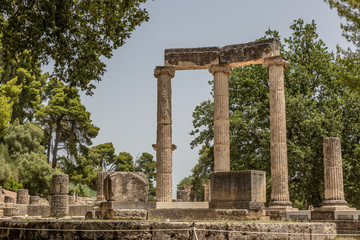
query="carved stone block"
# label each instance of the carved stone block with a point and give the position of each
(238, 189)
(35, 200)
(183, 196)
(8, 199)
(126, 187)
(22, 196)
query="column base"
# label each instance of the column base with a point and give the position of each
(280, 204)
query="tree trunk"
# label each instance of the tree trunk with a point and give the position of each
(56, 142)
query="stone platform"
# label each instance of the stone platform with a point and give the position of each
(11, 229)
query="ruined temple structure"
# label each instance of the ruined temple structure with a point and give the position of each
(219, 61)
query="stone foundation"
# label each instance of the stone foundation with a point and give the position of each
(164, 230)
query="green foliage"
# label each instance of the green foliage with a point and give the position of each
(5, 170)
(146, 164)
(35, 173)
(124, 162)
(13, 184)
(102, 155)
(9, 93)
(76, 35)
(349, 59)
(82, 190)
(318, 105)
(66, 120)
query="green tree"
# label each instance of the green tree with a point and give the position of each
(124, 162)
(9, 93)
(25, 158)
(13, 184)
(5, 170)
(350, 59)
(318, 105)
(76, 35)
(66, 121)
(102, 155)
(18, 72)
(146, 164)
(35, 173)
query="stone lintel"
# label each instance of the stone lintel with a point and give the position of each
(234, 55)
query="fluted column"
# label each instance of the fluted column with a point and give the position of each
(278, 148)
(221, 118)
(333, 175)
(207, 189)
(164, 146)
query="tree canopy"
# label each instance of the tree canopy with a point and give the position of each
(75, 35)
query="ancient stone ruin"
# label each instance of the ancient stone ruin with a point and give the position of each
(219, 61)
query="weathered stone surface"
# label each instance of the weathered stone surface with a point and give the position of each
(100, 185)
(211, 231)
(1, 196)
(59, 205)
(333, 174)
(93, 214)
(282, 231)
(221, 118)
(125, 214)
(238, 189)
(60, 184)
(207, 192)
(126, 187)
(177, 230)
(80, 210)
(164, 146)
(183, 196)
(278, 147)
(22, 196)
(234, 55)
(38, 210)
(128, 205)
(8, 199)
(98, 230)
(34, 200)
(10, 211)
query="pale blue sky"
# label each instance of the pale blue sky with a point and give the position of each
(124, 103)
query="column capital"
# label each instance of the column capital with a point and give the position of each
(220, 68)
(164, 70)
(277, 60)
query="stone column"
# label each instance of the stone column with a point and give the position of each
(59, 202)
(333, 175)
(100, 186)
(278, 148)
(164, 146)
(221, 117)
(206, 192)
(22, 196)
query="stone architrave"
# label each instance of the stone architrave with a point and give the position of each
(207, 190)
(126, 187)
(22, 196)
(221, 118)
(59, 200)
(333, 174)
(278, 148)
(164, 146)
(100, 185)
